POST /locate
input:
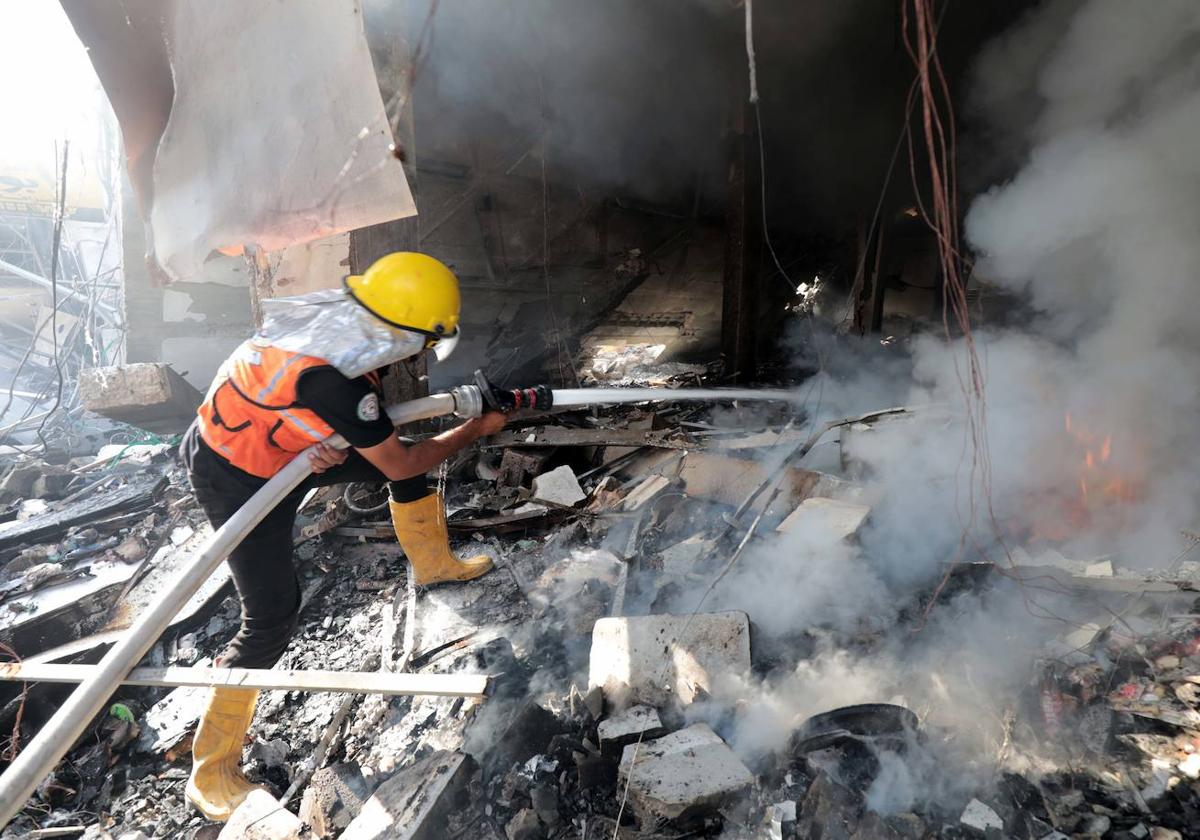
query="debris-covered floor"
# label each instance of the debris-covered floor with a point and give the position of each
(659, 668)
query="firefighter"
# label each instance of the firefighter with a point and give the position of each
(312, 371)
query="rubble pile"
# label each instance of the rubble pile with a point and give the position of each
(620, 695)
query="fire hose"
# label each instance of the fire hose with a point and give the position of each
(40, 756)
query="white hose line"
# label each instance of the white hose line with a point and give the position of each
(42, 754)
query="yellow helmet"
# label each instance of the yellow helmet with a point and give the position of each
(411, 291)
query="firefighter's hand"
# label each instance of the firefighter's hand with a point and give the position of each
(325, 456)
(490, 423)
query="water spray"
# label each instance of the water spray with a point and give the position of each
(40, 756)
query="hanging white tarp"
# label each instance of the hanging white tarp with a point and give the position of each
(275, 132)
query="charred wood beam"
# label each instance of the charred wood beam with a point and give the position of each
(743, 240)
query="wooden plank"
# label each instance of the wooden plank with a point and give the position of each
(561, 436)
(740, 325)
(358, 682)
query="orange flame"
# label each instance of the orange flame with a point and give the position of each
(1101, 487)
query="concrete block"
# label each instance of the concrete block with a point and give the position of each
(150, 396)
(684, 775)
(519, 465)
(626, 727)
(559, 486)
(414, 803)
(656, 659)
(818, 517)
(261, 817)
(333, 798)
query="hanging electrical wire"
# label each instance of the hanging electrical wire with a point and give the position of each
(937, 134)
(55, 246)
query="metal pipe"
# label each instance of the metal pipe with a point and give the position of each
(566, 397)
(42, 754)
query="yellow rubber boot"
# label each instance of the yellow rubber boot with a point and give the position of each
(217, 786)
(421, 529)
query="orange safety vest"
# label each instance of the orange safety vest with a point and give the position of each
(250, 415)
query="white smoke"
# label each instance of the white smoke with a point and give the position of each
(1099, 101)
(1098, 230)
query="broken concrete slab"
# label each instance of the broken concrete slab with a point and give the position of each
(148, 395)
(657, 659)
(683, 775)
(333, 799)
(559, 487)
(261, 817)
(636, 722)
(980, 817)
(414, 803)
(729, 480)
(820, 518)
(681, 559)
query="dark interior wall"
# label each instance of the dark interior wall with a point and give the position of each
(636, 97)
(555, 138)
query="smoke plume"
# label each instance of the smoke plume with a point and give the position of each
(1093, 444)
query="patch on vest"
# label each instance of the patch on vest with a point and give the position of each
(368, 408)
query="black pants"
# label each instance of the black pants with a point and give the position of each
(262, 566)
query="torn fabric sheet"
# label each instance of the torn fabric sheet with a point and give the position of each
(276, 133)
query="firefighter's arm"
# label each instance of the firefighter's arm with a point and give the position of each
(399, 461)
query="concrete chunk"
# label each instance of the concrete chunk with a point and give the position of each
(819, 517)
(1102, 569)
(333, 798)
(628, 726)
(980, 817)
(681, 559)
(559, 486)
(413, 804)
(655, 659)
(683, 775)
(148, 395)
(261, 817)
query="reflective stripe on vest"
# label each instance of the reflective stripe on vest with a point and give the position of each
(250, 415)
